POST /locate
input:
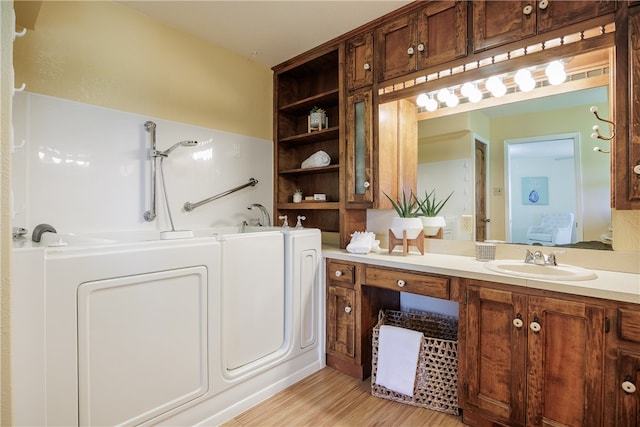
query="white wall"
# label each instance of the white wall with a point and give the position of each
(83, 168)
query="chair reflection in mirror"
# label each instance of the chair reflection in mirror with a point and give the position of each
(554, 229)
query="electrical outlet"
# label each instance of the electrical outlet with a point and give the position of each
(497, 191)
(467, 224)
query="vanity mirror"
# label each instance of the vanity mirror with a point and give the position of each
(511, 159)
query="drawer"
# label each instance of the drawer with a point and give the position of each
(405, 281)
(629, 325)
(338, 272)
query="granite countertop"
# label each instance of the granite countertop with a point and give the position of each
(611, 285)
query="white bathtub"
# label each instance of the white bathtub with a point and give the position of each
(127, 329)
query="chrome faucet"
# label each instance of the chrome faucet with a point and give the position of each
(539, 258)
(266, 219)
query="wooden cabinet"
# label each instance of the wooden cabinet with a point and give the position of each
(298, 88)
(432, 35)
(626, 152)
(627, 381)
(359, 149)
(341, 315)
(527, 353)
(496, 23)
(359, 69)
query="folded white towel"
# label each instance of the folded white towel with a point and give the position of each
(317, 159)
(361, 242)
(398, 351)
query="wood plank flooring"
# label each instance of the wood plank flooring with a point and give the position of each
(330, 398)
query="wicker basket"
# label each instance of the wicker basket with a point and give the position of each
(436, 385)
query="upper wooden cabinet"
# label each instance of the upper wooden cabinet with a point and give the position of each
(496, 22)
(359, 51)
(626, 166)
(434, 34)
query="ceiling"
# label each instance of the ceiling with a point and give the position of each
(269, 32)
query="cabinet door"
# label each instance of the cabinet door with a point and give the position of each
(498, 22)
(628, 390)
(359, 148)
(395, 47)
(442, 33)
(634, 106)
(496, 354)
(341, 321)
(565, 375)
(557, 14)
(360, 61)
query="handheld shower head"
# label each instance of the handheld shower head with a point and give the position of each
(190, 143)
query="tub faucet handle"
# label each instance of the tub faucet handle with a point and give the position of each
(299, 223)
(285, 224)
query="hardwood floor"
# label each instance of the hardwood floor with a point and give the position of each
(330, 398)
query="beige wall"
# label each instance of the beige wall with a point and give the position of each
(103, 53)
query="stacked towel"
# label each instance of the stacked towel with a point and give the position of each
(317, 159)
(398, 352)
(362, 242)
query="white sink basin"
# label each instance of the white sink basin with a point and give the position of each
(544, 272)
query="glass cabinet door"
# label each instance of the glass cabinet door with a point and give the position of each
(359, 170)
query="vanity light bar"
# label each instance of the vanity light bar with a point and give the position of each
(538, 47)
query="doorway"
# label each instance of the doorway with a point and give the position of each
(542, 176)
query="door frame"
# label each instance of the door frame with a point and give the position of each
(487, 179)
(575, 136)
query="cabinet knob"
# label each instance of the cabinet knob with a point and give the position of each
(347, 309)
(517, 322)
(629, 387)
(421, 47)
(410, 50)
(338, 273)
(543, 4)
(527, 10)
(366, 184)
(636, 169)
(535, 327)
(366, 66)
(401, 283)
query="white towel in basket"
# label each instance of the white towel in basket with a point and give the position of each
(398, 351)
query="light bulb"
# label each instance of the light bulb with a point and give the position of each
(527, 85)
(475, 96)
(522, 76)
(443, 94)
(422, 100)
(491, 83)
(432, 105)
(466, 89)
(498, 88)
(555, 72)
(452, 100)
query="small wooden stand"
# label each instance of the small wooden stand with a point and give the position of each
(323, 124)
(418, 242)
(438, 235)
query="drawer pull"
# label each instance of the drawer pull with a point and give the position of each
(347, 309)
(543, 4)
(410, 51)
(367, 67)
(338, 273)
(535, 327)
(517, 322)
(629, 387)
(401, 283)
(527, 10)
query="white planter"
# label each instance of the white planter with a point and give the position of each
(412, 225)
(432, 224)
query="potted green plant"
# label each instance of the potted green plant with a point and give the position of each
(407, 219)
(317, 118)
(429, 208)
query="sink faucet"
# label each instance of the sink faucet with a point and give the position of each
(266, 219)
(539, 258)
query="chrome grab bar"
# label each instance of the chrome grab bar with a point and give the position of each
(188, 206)
(150, 215)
